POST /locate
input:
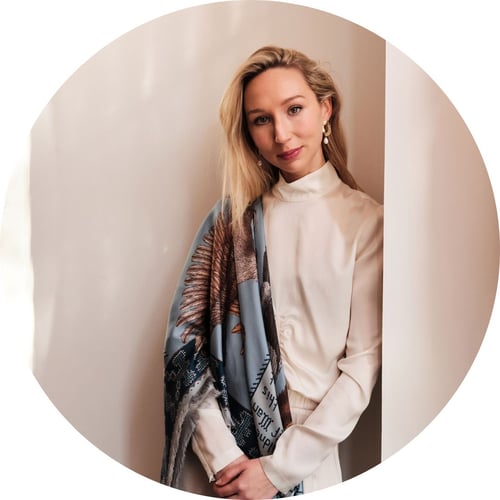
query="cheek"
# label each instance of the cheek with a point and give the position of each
(315, 126)
(259, 137)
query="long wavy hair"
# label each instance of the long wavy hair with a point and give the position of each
(243, 179)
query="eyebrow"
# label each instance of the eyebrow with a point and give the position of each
(258, 110)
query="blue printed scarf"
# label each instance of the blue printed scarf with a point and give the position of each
(222, 341)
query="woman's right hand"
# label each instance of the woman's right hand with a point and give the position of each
(230, 467)
(245, 479)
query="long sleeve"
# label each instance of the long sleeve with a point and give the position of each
(212, 441)
(302, 447)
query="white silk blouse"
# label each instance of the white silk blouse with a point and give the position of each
(324, 245)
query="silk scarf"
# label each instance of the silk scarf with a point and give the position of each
(222, 341)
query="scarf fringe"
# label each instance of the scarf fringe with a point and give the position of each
(184, 426)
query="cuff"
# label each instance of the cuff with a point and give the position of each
(213, 443)
(274, 475)
(214, 463)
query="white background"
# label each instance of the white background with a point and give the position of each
(43, 43)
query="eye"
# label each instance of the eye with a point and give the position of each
(293, 110)
(261, 120)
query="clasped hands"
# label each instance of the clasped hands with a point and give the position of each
(244, 478)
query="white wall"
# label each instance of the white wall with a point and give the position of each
(123, 168)
(441, 252)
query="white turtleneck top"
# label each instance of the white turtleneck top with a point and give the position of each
(324, 245)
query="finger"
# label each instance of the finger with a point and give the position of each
(240, 460)
(228, 474)
(228, 491)
(225, 479)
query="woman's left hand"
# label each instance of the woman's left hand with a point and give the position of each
(245, 480)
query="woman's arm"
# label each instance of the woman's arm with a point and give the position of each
(192, 413)
(302, 448)
(212, 441)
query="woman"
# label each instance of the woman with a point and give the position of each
(273, 342)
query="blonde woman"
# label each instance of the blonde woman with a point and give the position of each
(274, 335)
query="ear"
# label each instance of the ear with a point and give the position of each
(326, 108)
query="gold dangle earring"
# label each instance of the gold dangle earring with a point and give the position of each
(327, 130)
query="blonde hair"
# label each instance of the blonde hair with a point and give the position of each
(244, 180)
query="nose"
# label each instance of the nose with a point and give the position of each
(281, 131)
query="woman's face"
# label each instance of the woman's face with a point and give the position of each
(285, 121)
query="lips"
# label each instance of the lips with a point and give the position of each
(291, 154)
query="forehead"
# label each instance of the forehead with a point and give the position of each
(275, 85)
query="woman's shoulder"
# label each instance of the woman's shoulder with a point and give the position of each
(361, 202)
(217, 215)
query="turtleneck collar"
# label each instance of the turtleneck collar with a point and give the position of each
(313, 185)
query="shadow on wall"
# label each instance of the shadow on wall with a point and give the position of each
(362, 450)
(144, 434)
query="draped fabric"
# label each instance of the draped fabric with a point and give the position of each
(222, 341)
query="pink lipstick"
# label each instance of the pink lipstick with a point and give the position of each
(291, 154)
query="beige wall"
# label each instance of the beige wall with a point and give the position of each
(123, 168)
(441, 252)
